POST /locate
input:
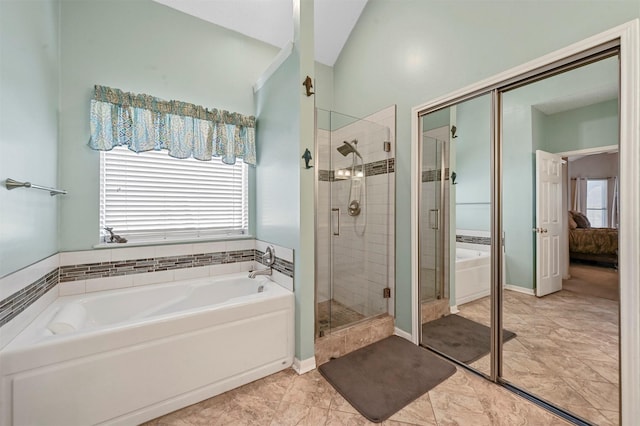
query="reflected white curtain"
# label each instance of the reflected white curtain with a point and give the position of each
(613, 217)
(579, 198)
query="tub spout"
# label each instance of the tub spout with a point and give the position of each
(252, 274)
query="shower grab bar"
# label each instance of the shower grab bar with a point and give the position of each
(13, 184)
(335, 209)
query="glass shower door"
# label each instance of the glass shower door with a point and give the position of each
(353, 203)
(431, 280)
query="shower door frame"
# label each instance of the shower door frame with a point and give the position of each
(330, 161)
(443, 208)
(626, 40)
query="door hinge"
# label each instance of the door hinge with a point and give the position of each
(386, 293)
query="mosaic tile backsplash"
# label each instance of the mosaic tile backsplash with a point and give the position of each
(20, 300)
(371, 169)
(472, 239)
(434, 175)
(139, 266)
(283, 266)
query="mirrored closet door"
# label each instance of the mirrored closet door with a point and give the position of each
(456, 317)
(560, 222)
(535, 162)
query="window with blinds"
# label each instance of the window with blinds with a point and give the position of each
(151, 196)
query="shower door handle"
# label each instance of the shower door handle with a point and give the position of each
(333, 223)
(434, 218)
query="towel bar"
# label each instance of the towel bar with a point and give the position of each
(13, 184)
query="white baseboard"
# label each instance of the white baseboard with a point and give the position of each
(403, 334)
(454, 309)
(305, 365)
(471, 297)
(519, 289)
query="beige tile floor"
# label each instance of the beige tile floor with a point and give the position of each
(287, 398)
(566, 350)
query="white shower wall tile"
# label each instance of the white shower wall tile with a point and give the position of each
(323, 138)
(362, 263)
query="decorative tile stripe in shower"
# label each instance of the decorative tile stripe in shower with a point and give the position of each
(283, 266)
(434, 175)
(325, 175)
(140, 266)
(371, 169)
(21, 300)
(473, 239)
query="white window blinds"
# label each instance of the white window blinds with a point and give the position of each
(151, 196)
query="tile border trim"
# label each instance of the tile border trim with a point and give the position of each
(283, 266)
(15, 304)
(374, 168)
(473, 239)
(116, 268)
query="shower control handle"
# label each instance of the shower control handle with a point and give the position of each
(335, 209)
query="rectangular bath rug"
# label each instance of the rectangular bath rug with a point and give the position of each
(460, 338)
(382, 378)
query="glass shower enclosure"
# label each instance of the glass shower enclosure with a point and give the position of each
(432, 230)
(352, 252)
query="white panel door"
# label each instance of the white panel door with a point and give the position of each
(548, 222)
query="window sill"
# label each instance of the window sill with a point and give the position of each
(171, 242)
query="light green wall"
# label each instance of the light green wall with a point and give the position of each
(29, 40)
(587, 127)
(473, 164)
(409, 52)
(524, 129)
(518, 189)
(436, 119)
(277, 173)
(142, 47)
(305, 258)
(285, 201)
(323, 86)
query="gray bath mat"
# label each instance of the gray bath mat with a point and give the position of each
(382, 378)
(460, 338)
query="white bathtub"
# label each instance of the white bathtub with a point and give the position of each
(143, 352)
(473, 273)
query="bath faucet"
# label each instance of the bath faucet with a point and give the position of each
(252, 274)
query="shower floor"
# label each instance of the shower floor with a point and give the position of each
(341, 315)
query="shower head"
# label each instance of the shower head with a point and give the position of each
(347, 148)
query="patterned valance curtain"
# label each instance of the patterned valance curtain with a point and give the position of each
(144, 123)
